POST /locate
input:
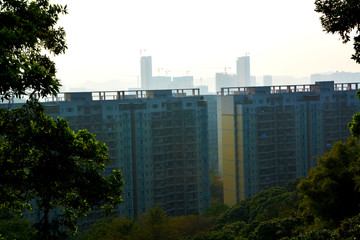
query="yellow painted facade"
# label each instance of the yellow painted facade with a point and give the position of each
(227, 122)
(264, 131)
(240, 157)
(228, 137)
(229, 195)
(233, 166)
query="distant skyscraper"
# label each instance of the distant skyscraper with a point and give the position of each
(146, 72)
(267, 80)
(243, 71)
(224, 80)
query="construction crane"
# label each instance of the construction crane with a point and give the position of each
(141, 51)
(225, 68)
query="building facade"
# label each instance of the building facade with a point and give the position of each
(158, 139)
(146, 72)
(272, 135)
(212, 132)
(243, 72)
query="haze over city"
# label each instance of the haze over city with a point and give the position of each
(173, 120)
(197, 38)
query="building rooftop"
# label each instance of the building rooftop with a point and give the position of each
(328, 86)
(122, 95)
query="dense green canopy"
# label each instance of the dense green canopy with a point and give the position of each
(342, 17)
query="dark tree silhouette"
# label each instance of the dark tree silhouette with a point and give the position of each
(341, 17)
(27, 28)
(42, 159)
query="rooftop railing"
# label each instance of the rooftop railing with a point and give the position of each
(285, 89)
(129, 94)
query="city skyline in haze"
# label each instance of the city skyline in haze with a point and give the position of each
(199, 38)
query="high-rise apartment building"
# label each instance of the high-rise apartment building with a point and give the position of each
(158, 139)
(146, 72)
(272, 135)
(243, 72)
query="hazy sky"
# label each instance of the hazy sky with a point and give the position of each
(282, 37)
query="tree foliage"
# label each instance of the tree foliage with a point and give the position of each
(154, 224)
(276, 229)
(349, 228)
(215, 211)
(276, 202)
(331, 190)
(185, 226)
(354, 125)
(271, 214)
(341, 17)
(216, 189)
(15, 228)
(27, 28)
(42, 159)
(114, 228)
